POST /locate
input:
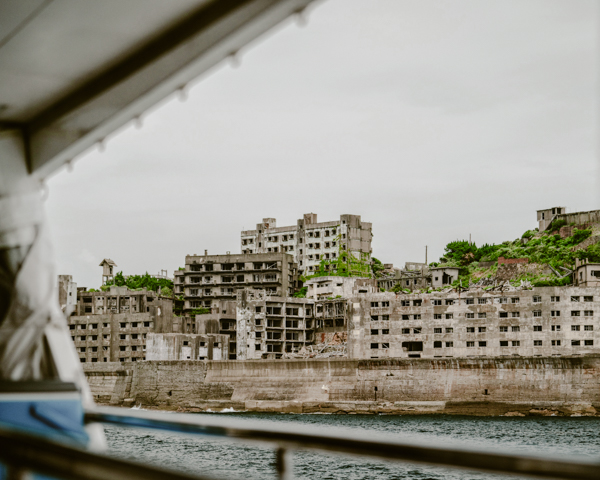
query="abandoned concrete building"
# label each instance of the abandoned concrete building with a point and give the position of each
(545, 321)
(67, 294)
(547, 216)
(586, 274)
(321, 288)
(268, 327)
(112, 326)
(311, 242)
(414, 276)
(208, 279)
(180, 346)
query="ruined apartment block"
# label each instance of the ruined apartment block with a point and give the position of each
(322, 288)
(209, 279)
(311, 242)
(268, 326)
(179, 346)
(546, 321)
(112, 326)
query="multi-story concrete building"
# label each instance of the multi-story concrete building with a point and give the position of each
(209, 279)
(67, 294)
(322, 288)
(311, 242)
(268, 327)
(112, 326)
(586, 274)
(180, 346)
(546, 321)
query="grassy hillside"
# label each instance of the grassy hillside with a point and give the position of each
(549, 255)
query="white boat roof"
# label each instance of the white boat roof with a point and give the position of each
(73, 71)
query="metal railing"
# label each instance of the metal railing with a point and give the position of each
(22, 453)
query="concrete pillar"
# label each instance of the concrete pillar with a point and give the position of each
(35, 343)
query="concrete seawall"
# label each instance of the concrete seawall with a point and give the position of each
(473, 386)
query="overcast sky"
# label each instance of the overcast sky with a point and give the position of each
(431, 119)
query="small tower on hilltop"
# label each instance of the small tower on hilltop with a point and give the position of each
(107, 270)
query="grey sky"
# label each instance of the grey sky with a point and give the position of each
(430, 119)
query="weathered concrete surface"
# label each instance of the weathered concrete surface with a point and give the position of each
(514, 386)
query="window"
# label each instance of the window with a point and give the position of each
(469, 301)
(122, 348)
(556, 343)
(554, 299)
(405, 317)
(503, 314)
(417, 303)
(483, 344)
(385, 331)
(437, 330)
(384, 304)
(588, 299)
(374, 345)
(374, 332)
(470, 344)
(405, 331)
(537, 328)
(123, 337)
(588, 342)
(82, 349)
(575, 343)
(575, 328)
(449, 302)
(437, 344)
(385, 345)
(71, 327)
(416, 331)
(537, 313)
(387, 317)
(503, 328)
(417, 317)
(502, 300)
(516, 343)
(437, 316)
(588, 313)
(575, 313)
(436, 301)
(481, 315)
(555, 313)
(449, 344)
(537, 299)
(123, 325)
(470, 329)
(588, 328)
(374, 304)
(504, 343)
(82, 338)
(556, 328)
(574, 298)
(515, 328)
(146, 324)
(481, 301)
(403, 303)
(481, 329)
(94, 326)
(449, 330)
(449, 316)
(374, 318)
(469, 315)
(515, 314)
(514, 300)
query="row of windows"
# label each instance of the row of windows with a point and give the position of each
(133, 359)
(93, 326)
(503, 329)
(503, 343)
(482, 301)
(448, 316)
(134, 336)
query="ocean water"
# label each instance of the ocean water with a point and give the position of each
(566, 437)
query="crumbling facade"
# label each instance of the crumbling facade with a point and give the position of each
(270, 326)
(546, 321)
(414, 276)
(321, 288)
(179, 346)
(112, 326)
(311, 242)
(209, 279)
(586, 274)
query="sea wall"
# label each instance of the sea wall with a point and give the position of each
(472, 386)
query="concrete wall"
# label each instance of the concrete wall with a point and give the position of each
(180, 346)
(458, 386)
